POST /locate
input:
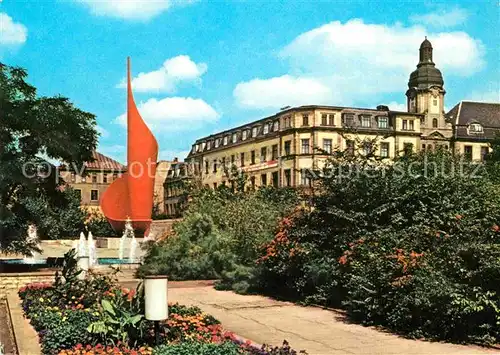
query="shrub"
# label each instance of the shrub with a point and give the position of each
(190, 348)
(417, 252)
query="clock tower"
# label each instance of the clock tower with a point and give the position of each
(425, 95)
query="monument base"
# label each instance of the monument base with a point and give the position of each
(141, 226)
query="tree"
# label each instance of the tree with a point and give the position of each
(32, 127)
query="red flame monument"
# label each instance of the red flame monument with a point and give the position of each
(131, 195)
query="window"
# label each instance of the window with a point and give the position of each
(197, 148)
(366, 121)
(349, 147)
(324, 119)
(411, 125)
(383, 122)
(367, 148)
(215, 166)
(407, 148)
(275, 179)
(234, 138)
(405, 125)
(287, 121)
(206, 166)
(226, 139)
(423, 147)
(252, 157)
(484, 153)
(242, 159)
(435, 102)
(276, 126)
(244, 135)
(327, 145)
(203, 145)
(94, 195)
(263, 180)
(384, 150)
(105, 178)
(254, 131)
(209, 145)
(468, 152)
(274, 154)
(232, 159)
(115, 176)
(305, 120)
(304, 178)
(288, 177)
(79, 194)
(266, 128)
(217, 143)
(348, 119)
(263, 154)
(305, 146)
(94, 178)
(331, 119)
(223, 162)
(287, 147)
(215, 185)
(475, 128)
(435, 123)
(252, 182)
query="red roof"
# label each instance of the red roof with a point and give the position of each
(102, 162)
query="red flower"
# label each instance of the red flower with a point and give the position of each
(458, 216)
(495, 228)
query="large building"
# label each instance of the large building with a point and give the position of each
(278, 150)
(178, 178)
(93, 179)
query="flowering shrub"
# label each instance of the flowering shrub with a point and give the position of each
(407, 246)
(100, 349)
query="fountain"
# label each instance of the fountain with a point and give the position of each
(82, 248)
(91, 247)
(32, 239)
(128, 232)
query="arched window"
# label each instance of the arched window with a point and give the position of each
(434, 123)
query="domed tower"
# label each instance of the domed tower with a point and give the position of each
(426, 92)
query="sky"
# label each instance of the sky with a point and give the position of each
(200, 67)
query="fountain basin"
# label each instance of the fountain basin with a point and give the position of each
(30, 265)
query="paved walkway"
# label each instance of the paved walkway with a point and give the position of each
(315, 330)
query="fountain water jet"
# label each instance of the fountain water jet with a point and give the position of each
(32, 239)
(82, 250)
(91, 247)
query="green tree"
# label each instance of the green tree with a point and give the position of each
(32, 127)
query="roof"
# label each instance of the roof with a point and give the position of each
(103, 162)
(466, 112)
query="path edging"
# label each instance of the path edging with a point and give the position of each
(25, 336)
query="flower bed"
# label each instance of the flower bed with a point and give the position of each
(97, 316)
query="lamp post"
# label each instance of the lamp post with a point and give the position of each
(156, 300)
(83, 265)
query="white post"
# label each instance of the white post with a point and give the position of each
(156, 301)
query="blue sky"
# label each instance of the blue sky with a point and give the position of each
(203, 66)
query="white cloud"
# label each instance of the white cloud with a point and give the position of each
(102, 131)
(485, 96)
(166, 79)
(174, 114)
(171, 154)
(354, 63)
(281, 91)
(13, 33)
(131, 9)
(442, 18)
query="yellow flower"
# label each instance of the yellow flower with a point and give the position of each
(41, 299)
(63, 319)
(73, 297)
(59, 313)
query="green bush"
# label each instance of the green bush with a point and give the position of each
(417, 252)
(221, 234)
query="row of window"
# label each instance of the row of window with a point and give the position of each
(327, 119)
(94, 194)
(94, 178)
(469, 149)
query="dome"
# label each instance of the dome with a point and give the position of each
(426, 74)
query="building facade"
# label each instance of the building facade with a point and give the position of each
(279, 149)
(91, 180)
(176, 188)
